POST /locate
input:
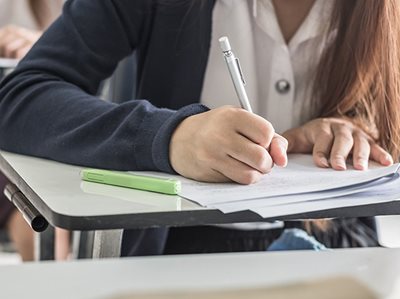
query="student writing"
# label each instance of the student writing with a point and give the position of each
(330, 90)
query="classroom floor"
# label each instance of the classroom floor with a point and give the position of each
(388, 230)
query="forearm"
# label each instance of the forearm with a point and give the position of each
(47, 104)
(55, 120)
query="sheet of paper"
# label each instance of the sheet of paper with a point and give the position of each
(235, 206)
(300, 176)
(379, 194)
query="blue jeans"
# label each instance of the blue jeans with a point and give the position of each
(296, 239)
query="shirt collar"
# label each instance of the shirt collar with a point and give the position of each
(315, 24)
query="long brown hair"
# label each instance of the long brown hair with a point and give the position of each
(359, 73)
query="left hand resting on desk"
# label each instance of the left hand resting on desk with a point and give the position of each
(16, 41)
(332, 140)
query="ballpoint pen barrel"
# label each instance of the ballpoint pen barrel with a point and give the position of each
(236, 77)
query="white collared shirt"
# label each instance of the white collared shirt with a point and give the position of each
(279, 76)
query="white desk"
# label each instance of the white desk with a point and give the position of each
(7, 64)
(377, 268)
(66, 201)
(57, 192)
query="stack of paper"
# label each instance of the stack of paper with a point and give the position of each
(298, 188)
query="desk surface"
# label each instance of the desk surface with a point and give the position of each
(57, 191)
(7, 63)
(378, 268)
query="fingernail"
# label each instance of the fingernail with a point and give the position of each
(286, 162)
(341, 164)
(324, 162)
(362, 164)
(388, 159)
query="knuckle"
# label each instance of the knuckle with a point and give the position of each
(360, 156)
(336, 156)
(360, 135)
(325, 121)
(259, 158)
(250, 177)
(343, 127)
(267, 166)
(230, 113)
(268, 127)
(344, 133)
(267, 132)
(347, 138)
(324, 133)
(319, 153)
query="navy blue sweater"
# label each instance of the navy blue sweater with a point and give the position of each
(48, 106)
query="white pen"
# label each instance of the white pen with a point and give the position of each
(236, 73)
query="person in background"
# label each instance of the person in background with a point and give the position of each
(22, 22)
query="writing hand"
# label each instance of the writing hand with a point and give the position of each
(226, 144)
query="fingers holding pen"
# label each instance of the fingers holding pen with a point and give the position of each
(261, 132)
(254, 127)
(238, 171)
(250, 153)
(226, 143)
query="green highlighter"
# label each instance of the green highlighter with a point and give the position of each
(128, 180)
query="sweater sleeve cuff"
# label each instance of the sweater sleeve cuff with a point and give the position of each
(160, 146)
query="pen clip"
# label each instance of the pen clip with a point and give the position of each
(240, 70)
